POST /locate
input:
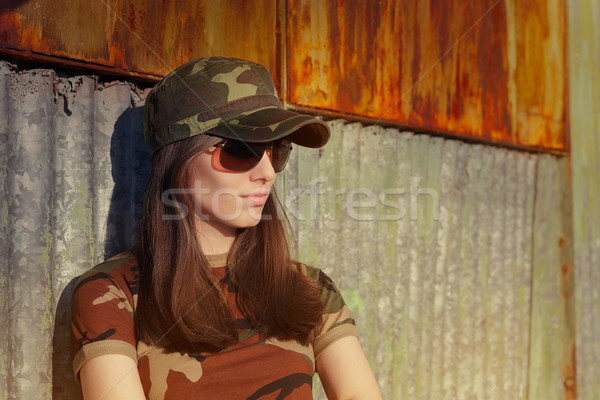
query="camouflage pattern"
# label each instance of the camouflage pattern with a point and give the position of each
(225, 97)
(104, 302)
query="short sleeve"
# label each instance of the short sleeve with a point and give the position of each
(102, 316)
(337, 319)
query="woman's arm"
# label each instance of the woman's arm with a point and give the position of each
(111, 377)
(345, 371)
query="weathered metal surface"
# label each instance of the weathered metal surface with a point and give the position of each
(552, 316)
(73, 241)
(584, 64)
(140, 36)
(68, 202)
(4, 230)
(443, 299)
(448, 253)
(493, 70)
(539, 89)
(29, 187)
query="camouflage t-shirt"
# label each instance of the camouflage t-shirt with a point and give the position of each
(104, 302)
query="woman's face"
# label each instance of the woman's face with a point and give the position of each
(229, 200)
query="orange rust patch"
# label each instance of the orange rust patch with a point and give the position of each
(566, 276)
(141, 36)
(11, 27)
(570, 376)
(446, 66)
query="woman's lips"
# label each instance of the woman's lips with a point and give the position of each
(256, 199)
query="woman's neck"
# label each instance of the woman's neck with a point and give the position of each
(215, 238)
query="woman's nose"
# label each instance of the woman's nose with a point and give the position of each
(264, 169)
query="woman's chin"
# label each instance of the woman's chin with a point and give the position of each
(245, 221)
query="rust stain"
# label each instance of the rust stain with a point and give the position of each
(561, 242)
(11, 26)
(570, 376)
(564, 269)
(14, 29)
(541, 74)
(141, 37)
(493, 75)
(116, 57)
(131, 18)
(566, 276)
(424, 65)
(433, 66)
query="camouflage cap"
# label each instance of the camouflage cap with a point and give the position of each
(225, 97)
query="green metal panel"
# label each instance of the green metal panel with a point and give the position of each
(584, 86)
(440, 275)
(549, 320)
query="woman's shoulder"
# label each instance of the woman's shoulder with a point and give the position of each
(337, 320)
(315, 274)
(102, 310)
(121, 270)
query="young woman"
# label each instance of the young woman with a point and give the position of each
(209, 304)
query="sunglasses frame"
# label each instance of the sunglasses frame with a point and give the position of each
(268, 147)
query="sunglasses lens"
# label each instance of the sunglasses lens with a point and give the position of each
(241, 156)
(281, 153)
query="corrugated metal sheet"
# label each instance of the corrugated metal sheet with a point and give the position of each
(584, 47)
(461, 303)
(140, 36)
(448, 254)
(64, 142)
(552, 363)
(487, 69)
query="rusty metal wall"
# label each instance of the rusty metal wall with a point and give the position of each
(448, 253)
(584, 68)
(493, 70)
(143, 37)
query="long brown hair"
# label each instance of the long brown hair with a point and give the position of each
(181, 306)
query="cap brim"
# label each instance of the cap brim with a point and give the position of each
(274, 123)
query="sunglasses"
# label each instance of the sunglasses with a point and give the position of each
(237, 156)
